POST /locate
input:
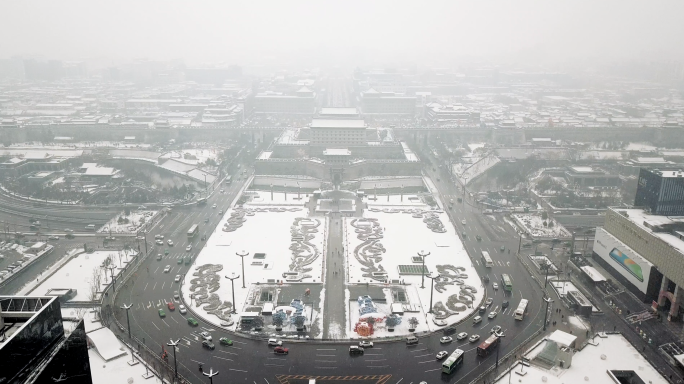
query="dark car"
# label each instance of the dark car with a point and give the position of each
(208, 344)
(504, 304)
(354, 350)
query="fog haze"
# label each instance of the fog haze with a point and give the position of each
(346, 33)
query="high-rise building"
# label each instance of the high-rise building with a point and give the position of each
(661, 191)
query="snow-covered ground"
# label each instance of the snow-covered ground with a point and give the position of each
(135, 220)
(193, 156)
(79, 274)
(466, 172)
(278, 229)
(396, 235)
(533, 225)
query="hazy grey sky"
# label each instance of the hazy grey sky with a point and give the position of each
(363, 32)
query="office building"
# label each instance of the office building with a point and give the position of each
(661, 191)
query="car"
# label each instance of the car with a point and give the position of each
(445, 339)
(482, 309)
(161, 313)
(167, 269)
(492, 314)
(461, 336)
(463, 222)
(208, 344)
(489, 301)
(225, 341)
(504, 304)
(188, 248)
(178, 278)
(366, 344)
(140, 237)
(442, 354)
(110, 238)
(192, 322)
(53, 237)
(182, 310)
(281, 351)
(159, 237)
(205, 335)
(496, 329)
(159, 242)
(478, 237)
(175, 295)
(67, 230)
(477, 319)
(206, 220)
(275, 342)
(502, 248)
(213, 206)
(179, 261)
(169, 242)
(495, 285)
(159, 256)
(355, 350)
(474, 338)
(171, 306)
(221, 191)
(463, 234)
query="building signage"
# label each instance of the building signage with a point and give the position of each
(623, 259)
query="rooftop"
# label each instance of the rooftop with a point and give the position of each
(325, 123)
(339, 111)
(337, 152)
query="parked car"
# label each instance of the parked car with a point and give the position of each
(474, 338)
(162, 313)
(281, 351)
(182, 310)
(366, 344)
(445, 339)
(167, 269)
(275, 342)
(461, 336)
(225, 341)
(208, 344)
(442, 354)
(171, 306)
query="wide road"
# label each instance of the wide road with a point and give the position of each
(253, 361)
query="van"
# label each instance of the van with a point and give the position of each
(477, 319)
(90, 227)
(411, 340)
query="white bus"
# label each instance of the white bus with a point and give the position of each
(487, 259)
(522, 308)
(453, 362)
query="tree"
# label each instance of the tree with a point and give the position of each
(413, 322)
(299, 322)
(546, 224)
(258, 322)
(278, 319)
(392, 321)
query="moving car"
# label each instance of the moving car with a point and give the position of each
(159, 237)
(213, 206)
(492, 314)
(445, 339)
(442, 354)
(221, 212)
(225, 341)
(53, 237)
(159, 256)
(67, 230)
(175, 295)
(275, 342)
(206, 220)
(489, 301)
(463, 222)
(161, 313)
(159, 242)
(478, 237)
(474, 338)
(169, 242)
(188, 248)
(504, 304)
(167, 269)
(281, 351)
(495, 285)
(179, 261)
(182, 310)
(477, 319)
(205, 335)
(461, 336)
(208, 344)
(192, 322)
(354, 350)
(221, 191)
(177, 279)
(171, 306)
(496, 329)
(502, 248)
(366, 344)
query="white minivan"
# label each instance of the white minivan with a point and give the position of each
(477, 319)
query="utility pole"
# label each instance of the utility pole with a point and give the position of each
(519, 242)
(128, 319)
(174, 344)
(232, 286)
(111, 273)
(423, 255)
(432, 286)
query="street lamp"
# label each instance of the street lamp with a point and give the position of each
(546, 266)
(423, 255)
(242, 255)
(128, 320)
(174, 344)
(232, 286)
(111, 273)
(548, 301)
(210, 375)
(432, 286)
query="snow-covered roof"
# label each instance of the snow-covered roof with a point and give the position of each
(326, 123)
(595, 275)
(337, 152)
(563, 338)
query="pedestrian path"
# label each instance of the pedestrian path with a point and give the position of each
(334, 315)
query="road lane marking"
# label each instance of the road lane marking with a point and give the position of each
(326, 361)
(155, 285)
(326, 367)
(167, 324)
(378, 366)
(428, 354)
(271, 365)
(326, 355)
(222, 358)
(400, 380)
(230, 353)
(436, 369)
(163, 285)
(155, 325)
(238, 370)
(376, 359)
(321, 349)
(429, 361)
(146, 284)
(418, 350)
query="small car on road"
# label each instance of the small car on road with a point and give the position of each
(504, 304)
(213, 206)
(502, 248)
(461, 336)
(159, 237)
(492, 314)
(495, 285)
(159, 242)
(355, 350)
(474, 338)
(463, 222)
(167, 269)
(169, 242)
(281, 351)
(208, 344)
(175, 295)
(225, 341)
(275, 342)
(205, 335)
(192, 322)
(159, 256)
(445, 339)
(496, 329)
(178, 278)
(53, 237)
(365, 344)
(478, 237)
(182, 310)
(161, 313)
(171, 306)
(442, 354)
(489, 301)
(188, 248)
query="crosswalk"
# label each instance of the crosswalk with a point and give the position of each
(497, 263)
(179, 255)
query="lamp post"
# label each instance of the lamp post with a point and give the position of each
(432, 286)
(548, 301)
(111, 274)
(546, 266)
(423, 255)
(174, 344)
(128, 319)
(232, 286)
(210, 375)
(242, 255)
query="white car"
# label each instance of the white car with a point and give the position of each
(221, 191)
(206, 336)
(169, 242)
(495, 285)
(445, 339)
(159, 242)
(366, 344)
(461, 336)
(177, 279)
(275, 342)
(67, 230)
(188, 248)
(175, 295)
(213, 206)
(53, 237)
(474, 338)
(496, 329)
(182, 310)
(167, 269)
(159, 237)
(492, 314)
(442, 355)
(463, 222)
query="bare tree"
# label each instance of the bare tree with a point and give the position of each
(95, 282)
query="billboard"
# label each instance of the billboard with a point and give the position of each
(623, 259)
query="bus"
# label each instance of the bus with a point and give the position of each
(488, 345)
(193, 231)
(519, 313)
(202, 201)
(452, 362)
(506, 282)
(487, 259)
